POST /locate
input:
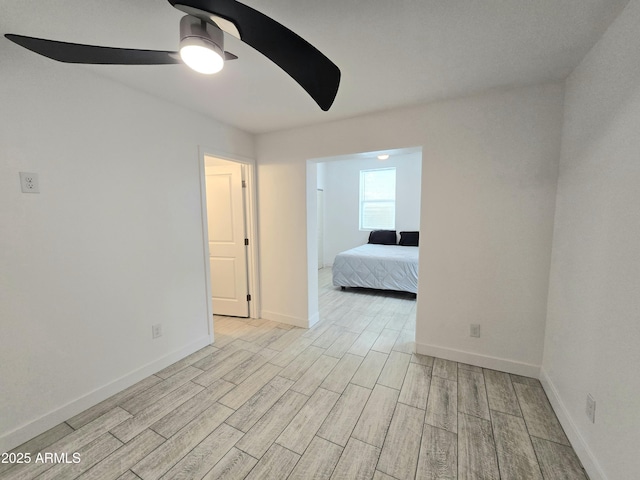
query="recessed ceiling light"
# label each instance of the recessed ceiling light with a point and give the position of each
(383, 156)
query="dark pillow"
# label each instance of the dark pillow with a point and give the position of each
(383, 237)
(409, 239)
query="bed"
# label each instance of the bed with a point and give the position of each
(385, 266)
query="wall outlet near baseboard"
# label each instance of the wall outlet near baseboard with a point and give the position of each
(474, 330)
(29, 182)
(591, 408)
(156, 330)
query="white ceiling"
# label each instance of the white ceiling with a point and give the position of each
(391, 52)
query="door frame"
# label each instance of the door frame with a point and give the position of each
(251, 209)
(320, 226)
(313, 303)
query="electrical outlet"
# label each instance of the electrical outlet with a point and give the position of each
(29, 182)
(156, 330)
(591, 408)
(474, 330)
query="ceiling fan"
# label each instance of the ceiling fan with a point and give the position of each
(202, 46)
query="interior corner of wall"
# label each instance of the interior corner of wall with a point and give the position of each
(579, 444)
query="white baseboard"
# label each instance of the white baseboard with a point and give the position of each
(494, 363)
(40, 425)
(279, 317)
(586, 456)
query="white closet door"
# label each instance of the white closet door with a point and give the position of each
(227, 250)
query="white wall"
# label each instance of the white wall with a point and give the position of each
(342, 197)
(593, 326)
(111, 245)
(488, 190)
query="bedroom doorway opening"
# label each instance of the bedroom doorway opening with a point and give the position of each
(229, 239)
(335, 225)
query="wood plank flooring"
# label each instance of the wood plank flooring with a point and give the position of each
(346, 399)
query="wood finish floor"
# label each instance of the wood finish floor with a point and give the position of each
(346, 399)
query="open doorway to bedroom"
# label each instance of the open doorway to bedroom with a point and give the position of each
(361, 193)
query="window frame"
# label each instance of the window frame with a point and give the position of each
(362, 201)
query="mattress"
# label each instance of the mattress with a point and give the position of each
(384, 267)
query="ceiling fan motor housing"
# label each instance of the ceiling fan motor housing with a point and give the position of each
(194, 31)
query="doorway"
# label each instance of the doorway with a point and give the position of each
(229, 236)
(333, 215)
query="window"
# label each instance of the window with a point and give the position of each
(378, 199)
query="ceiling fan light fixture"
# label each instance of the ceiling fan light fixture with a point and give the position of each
(201, 45)
(201, 58)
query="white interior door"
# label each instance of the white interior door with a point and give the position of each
(227, 249)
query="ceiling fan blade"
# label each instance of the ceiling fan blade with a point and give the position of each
(318, 75)
(95, 55)
(91, 54)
